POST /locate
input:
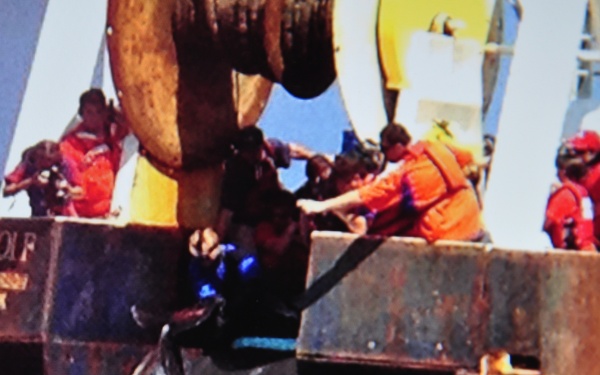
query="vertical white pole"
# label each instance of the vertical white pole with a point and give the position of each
(62, 69)
(537, 98)
(123, 185)
(357, 65)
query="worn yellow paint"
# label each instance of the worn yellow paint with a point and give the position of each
(153, 196)
(13, 281)
(191, 200)
(398, 19)
(451, 132)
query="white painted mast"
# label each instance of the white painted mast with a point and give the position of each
(531, 121)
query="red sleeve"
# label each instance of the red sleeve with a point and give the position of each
(17, 175)
(70, 151)
(562, 204)
(71, 172)
(383, 192)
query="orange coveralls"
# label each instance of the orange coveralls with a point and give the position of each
(428, 195)
(97, 172)
(570, 205)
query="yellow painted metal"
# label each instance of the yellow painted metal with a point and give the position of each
(398, 19)
(191, 200)
(153, 196)
(452, 133)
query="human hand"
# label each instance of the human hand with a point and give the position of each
(89, 157)
(310, 207)
(76, 192)
(204, 243)
(42, 178)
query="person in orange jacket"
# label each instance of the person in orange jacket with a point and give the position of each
(586, 145)
(569, 213)
(429, 192)
(94, 147)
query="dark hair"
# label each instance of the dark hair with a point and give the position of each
(346, 166)
(370, 156)
(281, 199)
(315, 165)
(489, 143)
(394, 133)
(43, 150)
(91, 96)
(249, 137)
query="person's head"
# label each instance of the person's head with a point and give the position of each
(43, 155)
(250, 144)
(489, 144)
(348, 173)
(318, 168)
(585, 144)
(93, 110)
(570, 165)
(394, 140)
(282, 211)
(371, 159)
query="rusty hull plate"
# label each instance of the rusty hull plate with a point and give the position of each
(92, 358)
(413, 305)
(25, 250)
(69, 286)
(407, 304)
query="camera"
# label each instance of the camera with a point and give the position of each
(56, 187)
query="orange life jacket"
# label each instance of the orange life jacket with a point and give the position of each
(439, 202)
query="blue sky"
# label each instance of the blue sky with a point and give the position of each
(317, 123)
(19, 28)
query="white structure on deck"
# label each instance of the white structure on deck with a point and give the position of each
(530, 127)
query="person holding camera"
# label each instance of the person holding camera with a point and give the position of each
(48, 179)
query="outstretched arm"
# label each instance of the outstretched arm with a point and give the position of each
(298, 151)
(15, 187)
(345, 201)
(356, 223)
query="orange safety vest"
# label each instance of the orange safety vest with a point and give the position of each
(570, 225)
(455, 214)
(436, 197)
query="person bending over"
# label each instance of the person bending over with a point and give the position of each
(428, 193)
